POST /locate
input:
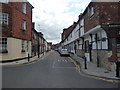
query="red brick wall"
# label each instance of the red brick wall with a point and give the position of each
(109, 13)
(67, 31)
(91, 21)
(15, 20)
(104, 13)
(7, 9)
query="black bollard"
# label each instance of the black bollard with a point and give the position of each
(117, 69)
(98, 62)
(85, 62)
(28, 57)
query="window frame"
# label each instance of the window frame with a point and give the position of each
(23, 45)
(4, 18)
(91, 11)
(24, 7)
(3, 43)
(24, 26)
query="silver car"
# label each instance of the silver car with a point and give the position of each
(64, 52)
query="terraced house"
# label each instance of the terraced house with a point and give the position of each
(16, 23)
(96, 34)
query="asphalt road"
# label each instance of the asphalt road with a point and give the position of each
(53, 71)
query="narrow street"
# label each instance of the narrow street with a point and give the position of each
(52, 72)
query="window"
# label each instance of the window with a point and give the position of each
(4, 1)
(90, 11)
(3, 45)
(23, 45)
(82, 22)
(24, 7)
(24, 26)
(3, 18)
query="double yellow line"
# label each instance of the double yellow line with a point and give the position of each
(90, 76)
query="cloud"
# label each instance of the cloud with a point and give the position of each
(55, 15)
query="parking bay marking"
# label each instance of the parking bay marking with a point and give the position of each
(55, 62)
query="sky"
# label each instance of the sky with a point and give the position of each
(52, 16)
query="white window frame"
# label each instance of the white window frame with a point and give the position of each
(24, 25)
(24, 7)
(82, 22)
(4, 18)
(91, 11)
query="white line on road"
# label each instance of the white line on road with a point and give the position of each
(66, 67)
(53, 66)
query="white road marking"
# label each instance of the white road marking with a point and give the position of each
(53, 66)
(65, 60)
(66, 67)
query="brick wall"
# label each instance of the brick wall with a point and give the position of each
(91, 21)
(15, 20)
(104, 13)
(109, 13)
(7, 32)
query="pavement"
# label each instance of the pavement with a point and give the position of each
(93, 70)
(23, 61)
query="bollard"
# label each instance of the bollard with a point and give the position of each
(85, 62)
(117, 69)
(98, 62)
(28, 57)
(38, 55)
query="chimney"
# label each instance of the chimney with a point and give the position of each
(80, 16)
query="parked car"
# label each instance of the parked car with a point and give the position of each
(56, 49)
(64, 52)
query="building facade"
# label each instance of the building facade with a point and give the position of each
(39, 44)
(96, 35)
(35, 42)
(42, 44)
(49, 46)
(16, 23)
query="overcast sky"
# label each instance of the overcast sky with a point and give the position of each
(52, 16)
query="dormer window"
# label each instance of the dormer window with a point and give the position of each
(90, 11)
(24, 7)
